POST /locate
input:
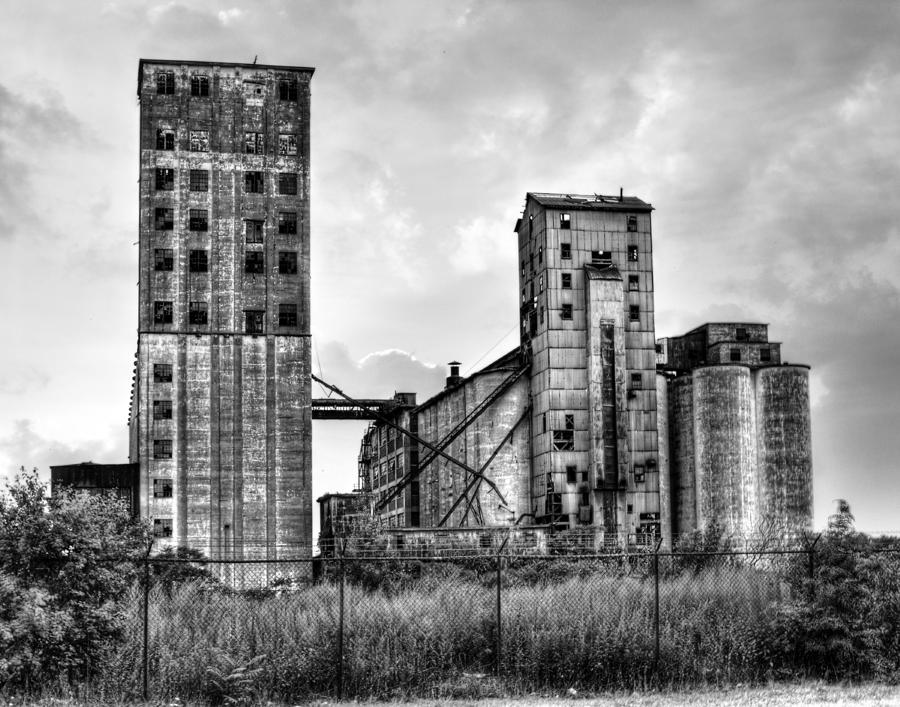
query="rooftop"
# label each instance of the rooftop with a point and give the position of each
(597, 202)
(183, 62)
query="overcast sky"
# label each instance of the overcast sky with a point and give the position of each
(765, 134)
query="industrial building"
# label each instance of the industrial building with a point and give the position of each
(220, 411)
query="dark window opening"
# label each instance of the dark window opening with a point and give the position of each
(629, 509)
(634, 283)
(287, 90)
(162, 488)
(162, 448)
(632, 253)
(741, 334)
(164, 219)
(634, 312)
(200, 86)
(632, 224)
(253, 321)
(570, 422)
(637, 381)
(601, 257)
(162, 409)
(566, 281)
(583, 476)
(164, 259)
(198, 261)
(540, 255)
(253, 182)
(254, 143)
(571, 474)
(287, 316)
(565, 251)
(199, 180)
(162, 372)
(734, 355)
(287, 262)
(162, 527)
(165, 139)
(254, 262)
(287, 183)
(253, 231)
(198, 220)
(566, 311)
(544, 417)
(287, 144)
(162, 312)
(199, 140)
(198, 312)
(165, 83)
(165, 179)
(639, 473)
(287, 222)
(565, 221)
(765, 355)
(531, 224)
(563, 440)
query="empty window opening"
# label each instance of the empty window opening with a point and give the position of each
(734, 355)
(541, 283)
(165, 83)
(566, 281)
(199, 180)
(254, 143)
(253, 182)
(198, 312)
(765, 355)
(253, 231)
(571, 474)
(164, 219)
(287, 316)
(563, 440)
(540, 255)
(198, 261)
(565, 251)
(565, 221)
(583, 475)
(254, 262)
(162, 372)
(200, 86)
(741, 334)
(566, 311)
(162, 488)
(531, 224)
(570, 422)
(253, 321)
(162, 409)
(631, 224)
(162, 312)
(601, 257)
(287, 144)
(637, 381)
(544, 423)
(287, 222)
(198, 220)
(165, 179)
(162, 448)
(541, 315)
(162, 527)
(287, 262)
(165, 139)
(287, 183)
(199, 140)
(639, 473)
(629, 509)
(287, 90)
(634, 312)
(634, 283)
(163, 259)
(632, 253)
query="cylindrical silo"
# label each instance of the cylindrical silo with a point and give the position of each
(725, 447)
(665, 485)
(784, 448)
(681, 455)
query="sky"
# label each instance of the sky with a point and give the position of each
(766, 135)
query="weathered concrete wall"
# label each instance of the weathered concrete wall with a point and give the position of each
(682, 460)
(666, 520)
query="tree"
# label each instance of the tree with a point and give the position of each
(842, 521)
(65, 563)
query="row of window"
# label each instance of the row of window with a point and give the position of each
(765, 355)
(254, 181)
(198, 261)
(198, 313)
(565, 223)
(634, 312)
(165, 86)
(565, 283)
(198, 220)
(254, 143)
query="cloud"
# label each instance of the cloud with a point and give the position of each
(226, 17)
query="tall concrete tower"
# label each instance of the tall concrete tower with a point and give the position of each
(220, 417)
(587, 322)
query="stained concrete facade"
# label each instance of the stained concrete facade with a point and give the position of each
(221, 400)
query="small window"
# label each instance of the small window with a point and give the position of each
(200, 86)
(287, 90)
(164, 219)
(162, 448)
(629, 509)
(570, 422)
(162, 372)
(163, 259)
(566, 311)
(765, 355)
(632, 224)
(734, 355)
(565, 251)
(583, 476)
(165, 139)
(634, 313)
(162, 312)
(254, 143)
(544, 422)
(571, 474)
(637, 381)
(162, 409)
(162, 527)
(198, 312)
(741, 334)
(199, 140)
(287, 144)
(540, 255)
(287, 316)
(253, 231)
(254, 262)
(198, 220)
(523, 268)
(199, 180)
(565, 221)
(253, 321)
(165, 83)
(563, 440)
(253, 182)
(566, 281)
(287, 262)
(165, 179)
(541, 315)
(531, 224)
(541, 284)
(601, 257)
(162, 488)
(639, 473)
(632, 254)
(287, 183)
(287, 222)
(634, 283)
(198, 261)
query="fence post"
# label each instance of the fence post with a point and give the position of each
(812, 566)
(656, 609)
(340, 686)
(498, 648)
(146, 654)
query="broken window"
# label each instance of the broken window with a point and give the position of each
(639, 473)
(601, 257)
(162, 488)
(162, 409)
(162, 527)
(287, 262)
(162, 448)
(253, 231)
(162, 312)
(287, 90)
(253, 321)
(741, 334)
(634, 312)
(162, 372)
(566, 281)
(163, 259)
(165, 139)
(632, 253)
(563, 440)
(634, 283)
(199, 180)
(540, 254)
(765, 355)
(287, 222)
(570, 422)
(287, 144)
(253, 182)
(254, 143)
(198, 261)
(199, 140)
(565, 221)
(165, 83)
(198, 220)
(197, 312)
(631, 224)
(164, 219)
(165, 179)
(254, 262)
(199, 85)
(734, 355)
(565, 251)
(287, 316)
(566, 311)
(637, 381)
(287, 183)
(571, 474)
(541, 284)
(531, 224)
